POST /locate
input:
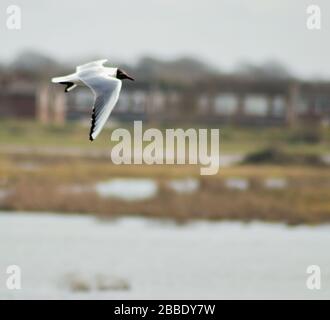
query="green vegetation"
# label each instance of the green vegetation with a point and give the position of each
(233, 139)
(280, 156)
(36, 179)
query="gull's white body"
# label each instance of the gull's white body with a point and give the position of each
(103, 83)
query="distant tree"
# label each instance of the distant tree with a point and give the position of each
(34, 63)
(268, 70)
(182, 70)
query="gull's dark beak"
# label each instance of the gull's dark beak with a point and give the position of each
(123, 75)
(129, 77)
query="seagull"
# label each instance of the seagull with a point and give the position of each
(104, 82)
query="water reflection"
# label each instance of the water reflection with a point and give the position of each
(128, 189)
(188, 185)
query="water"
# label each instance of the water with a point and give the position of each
(4, 193)
(326, 159)
(237, 183)
(276, 183)
(128, 189)
(188, 185)
(64, 256)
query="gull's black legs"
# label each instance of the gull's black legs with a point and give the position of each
(68, 85)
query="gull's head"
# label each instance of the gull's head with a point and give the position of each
(121, 74)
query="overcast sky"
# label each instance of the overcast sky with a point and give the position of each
(223, 33)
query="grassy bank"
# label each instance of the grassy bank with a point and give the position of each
(305, 199)
(34, 180)
(312, 140)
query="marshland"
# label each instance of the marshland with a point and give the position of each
(281, 175)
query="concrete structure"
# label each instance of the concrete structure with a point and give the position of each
(35, 101)
(218, 100)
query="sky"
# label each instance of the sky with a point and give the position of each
(222, 33)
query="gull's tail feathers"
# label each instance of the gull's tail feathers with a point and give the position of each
(60, 79)
(68, 81)
(69, 78)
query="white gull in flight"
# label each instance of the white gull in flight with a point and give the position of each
(105, 84)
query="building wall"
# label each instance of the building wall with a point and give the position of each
(18, 105)
(241, 103)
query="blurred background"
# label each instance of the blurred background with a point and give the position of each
(82, 227)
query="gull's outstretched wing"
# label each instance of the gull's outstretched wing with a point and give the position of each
(106, 91)
(93, 64)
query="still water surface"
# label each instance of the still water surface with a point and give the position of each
(68, 256)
